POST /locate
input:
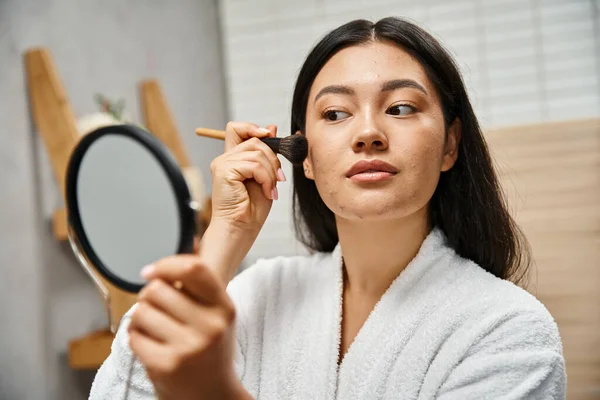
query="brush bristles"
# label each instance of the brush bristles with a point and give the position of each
(293, 147)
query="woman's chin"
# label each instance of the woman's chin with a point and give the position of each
(372, 206)
(368, 212)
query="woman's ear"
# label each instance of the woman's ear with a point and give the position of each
(307, 164)
(452, 145)
(196, 244)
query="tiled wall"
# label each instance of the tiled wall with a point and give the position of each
(524, 61)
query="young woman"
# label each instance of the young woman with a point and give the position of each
(409, 293)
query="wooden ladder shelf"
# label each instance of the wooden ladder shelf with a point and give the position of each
(56, 125)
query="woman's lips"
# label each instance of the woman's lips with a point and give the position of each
(371, 176)
(371, 171)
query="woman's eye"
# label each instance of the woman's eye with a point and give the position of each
(335, 115)
(400, 109)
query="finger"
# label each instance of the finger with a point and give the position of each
(198, 280)
(257, 144)
(151, 353)
(273, 129)
(259, 157)
(204, 319)
(255, 191)
(154, 323)
(263, 176)
(169, 300)
(240, 168)
(237, 132)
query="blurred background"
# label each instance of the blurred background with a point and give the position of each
(532, 68)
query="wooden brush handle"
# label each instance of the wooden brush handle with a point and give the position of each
(273, 143)
(210, 133)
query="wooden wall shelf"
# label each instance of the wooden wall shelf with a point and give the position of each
(90, 351)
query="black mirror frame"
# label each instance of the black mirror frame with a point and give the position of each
(174, 174)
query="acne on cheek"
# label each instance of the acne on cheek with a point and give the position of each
(328, 193)
(321, 172)
(433, 146)
(323, 164)
(422, 167)
(323, 169)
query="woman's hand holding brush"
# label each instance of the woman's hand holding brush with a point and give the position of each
(244, 186)
(247, 169)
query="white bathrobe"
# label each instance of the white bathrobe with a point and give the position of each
(444, 329)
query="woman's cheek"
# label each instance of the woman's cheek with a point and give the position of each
(324, 161)
(423, 161)
(328, 178)
(323, 173)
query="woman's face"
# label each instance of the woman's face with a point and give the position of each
(376, 133)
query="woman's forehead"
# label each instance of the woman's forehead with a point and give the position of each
(370, 64)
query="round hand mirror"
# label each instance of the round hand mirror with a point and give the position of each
(128, 204)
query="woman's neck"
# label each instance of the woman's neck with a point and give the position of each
(375, 253)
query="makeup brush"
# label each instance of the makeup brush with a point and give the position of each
(293, 147)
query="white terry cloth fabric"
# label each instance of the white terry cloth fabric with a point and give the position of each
(444, 329)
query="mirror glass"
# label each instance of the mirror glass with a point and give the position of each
(128, 203)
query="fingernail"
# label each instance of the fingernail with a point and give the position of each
(264, 130)
(274, 193)
(147, 271)
(280, 175)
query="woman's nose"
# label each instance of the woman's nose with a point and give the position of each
(370, 137)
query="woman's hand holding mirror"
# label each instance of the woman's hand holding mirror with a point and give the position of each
(184, 337)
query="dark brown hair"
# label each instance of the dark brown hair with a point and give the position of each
(468, 204)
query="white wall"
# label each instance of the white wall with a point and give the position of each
(106, 46)
(524, 61)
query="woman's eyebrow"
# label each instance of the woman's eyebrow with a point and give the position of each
(335, 89)
(385, 87)
(401, 84)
